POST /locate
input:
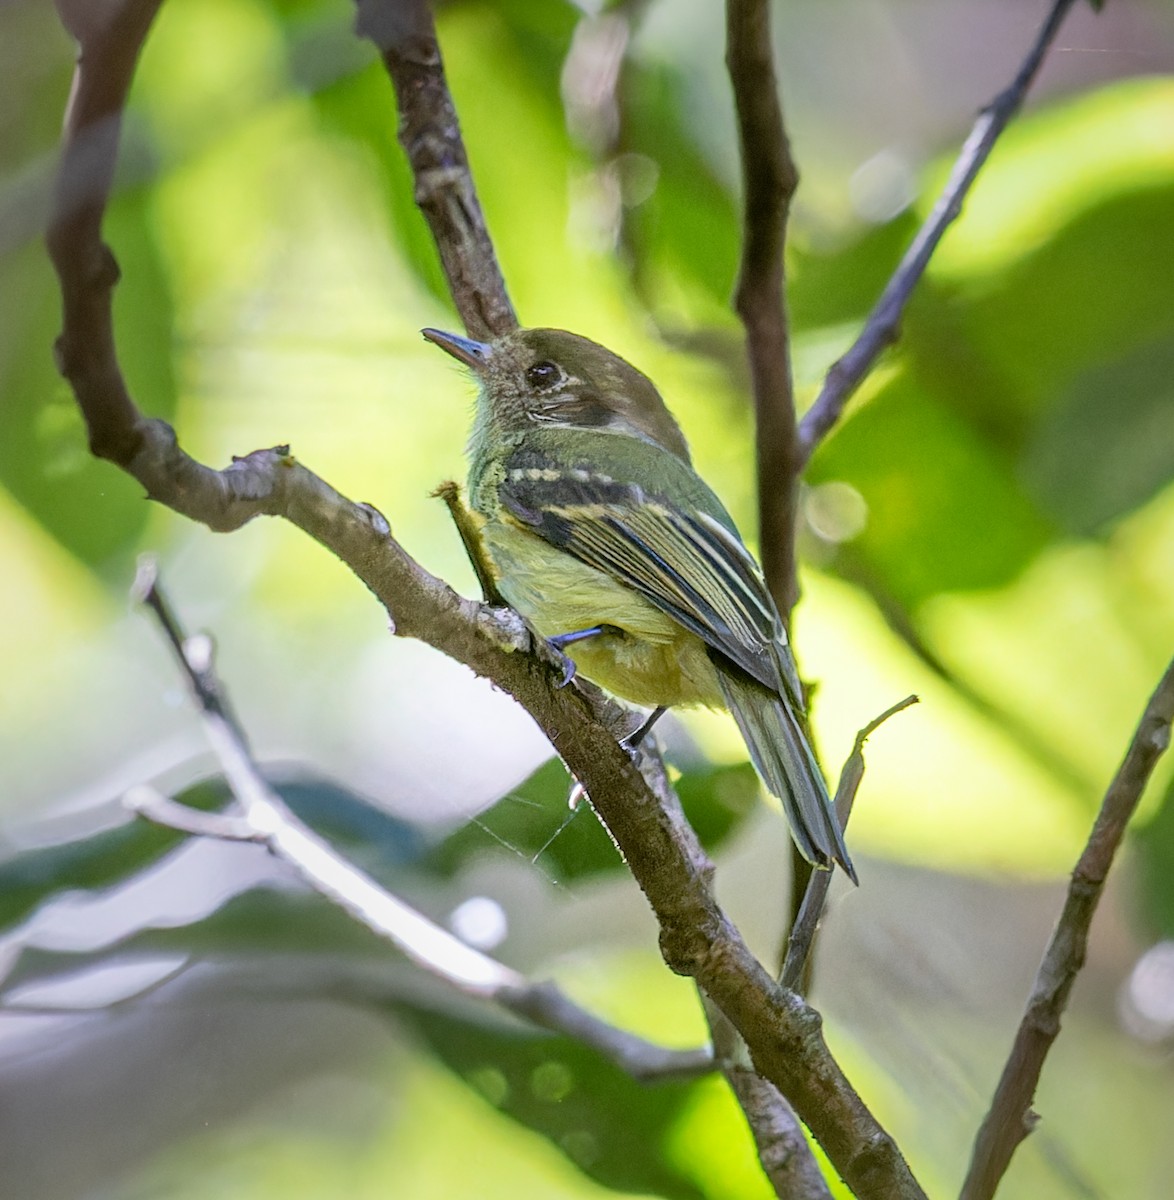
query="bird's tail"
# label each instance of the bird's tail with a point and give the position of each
(784, 760)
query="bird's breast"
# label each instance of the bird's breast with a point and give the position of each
(652, 660)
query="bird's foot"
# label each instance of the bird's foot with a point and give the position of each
(561, 661)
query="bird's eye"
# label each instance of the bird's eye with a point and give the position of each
(543, 375)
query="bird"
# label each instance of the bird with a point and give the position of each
(593, 525)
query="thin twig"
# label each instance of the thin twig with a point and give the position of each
(811, 910)
(267, 820)
(769, 181)
(639, 810)
(1010, 1119)
(882, 327)
(430, 134)
(783, 1153)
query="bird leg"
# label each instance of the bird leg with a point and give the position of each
(631, 743)
(560, 640)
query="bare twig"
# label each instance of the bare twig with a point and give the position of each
(1010, 1118)
(769, 180)
(882, 327)
(783, 1153)
(545, 1005)
(431, 137)
(267, 820)
(807, 920)
(641, 812)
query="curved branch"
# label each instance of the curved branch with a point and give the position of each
(769, 181)
(882, 327)
(85, 352)
(1010, 1119)
(783, 1151)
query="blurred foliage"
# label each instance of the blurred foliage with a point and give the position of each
(130, 844)
(613, 1128)
(534, 821)
(991, 525)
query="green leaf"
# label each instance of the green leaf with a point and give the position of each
(827, 288)
(686, 230)
(1107, 444)
(102, 860)
(945, 511)
(93, 509)
(614, 1129)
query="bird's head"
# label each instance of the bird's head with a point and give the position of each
(551, 377)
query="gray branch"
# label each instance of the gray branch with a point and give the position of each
(430, 134)
(803, 932)
(1010, 1119)
(883, 325)
(783, 1153)
(769, 181)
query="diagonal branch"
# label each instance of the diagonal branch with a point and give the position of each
(769, 181)
(697, 939)
(430, 134)
(1010, 1119)
(882, 327)
(783, 1153)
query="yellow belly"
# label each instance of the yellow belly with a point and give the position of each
(653, 660)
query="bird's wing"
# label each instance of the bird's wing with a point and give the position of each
(686, 561)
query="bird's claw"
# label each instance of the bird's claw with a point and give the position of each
(566, 664)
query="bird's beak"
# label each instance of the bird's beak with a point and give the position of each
(472, 354)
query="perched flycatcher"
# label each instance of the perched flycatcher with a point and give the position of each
(600, 533)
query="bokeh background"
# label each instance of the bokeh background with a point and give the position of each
(991, 527)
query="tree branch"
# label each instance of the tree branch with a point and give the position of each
(882, 327)
(642, 814)
(769, 181)
(783, 1153)
(430, 134)
(1010, 1119)
(85, 352)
